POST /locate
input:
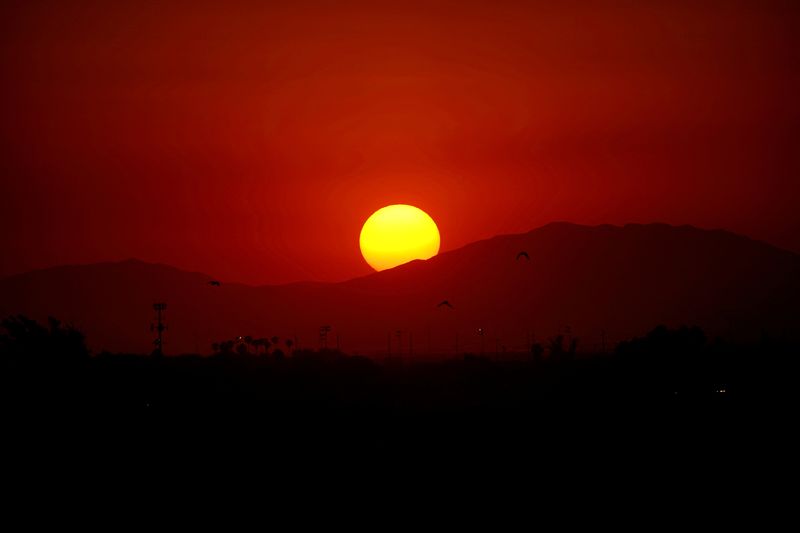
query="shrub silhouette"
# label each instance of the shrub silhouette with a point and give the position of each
(26, 339)
(242, 346)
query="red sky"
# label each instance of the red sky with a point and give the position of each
(251, 142)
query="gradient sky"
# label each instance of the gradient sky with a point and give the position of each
(251, 142)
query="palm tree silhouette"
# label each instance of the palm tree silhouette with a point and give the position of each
(226, 347)
(267, 345)
(262, 342)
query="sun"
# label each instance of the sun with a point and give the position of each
(397, 234)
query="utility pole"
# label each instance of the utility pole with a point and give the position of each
(429, 340)
(323, 337)
(159, 327)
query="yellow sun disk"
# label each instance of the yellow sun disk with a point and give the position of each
(397, 234)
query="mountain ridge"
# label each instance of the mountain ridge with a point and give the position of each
(621, 280)
(555, 224)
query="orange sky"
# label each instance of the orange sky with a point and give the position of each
(251, 142)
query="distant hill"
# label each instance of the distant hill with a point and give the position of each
(584, 280)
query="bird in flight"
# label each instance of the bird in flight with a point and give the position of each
(445, 302)
(214, 283)
(523, 254)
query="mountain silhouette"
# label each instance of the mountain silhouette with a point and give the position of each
(602, 283)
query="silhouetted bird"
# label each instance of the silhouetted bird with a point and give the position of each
(214, 283)
(523, 254)
(445, 302)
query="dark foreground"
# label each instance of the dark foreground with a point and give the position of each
(668, 385)
(671, 414)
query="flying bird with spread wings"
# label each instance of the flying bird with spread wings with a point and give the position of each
(215, 283)
(445, 303)
(523, 254)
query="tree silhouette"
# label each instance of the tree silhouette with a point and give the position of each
(537, 351)
(556, 347)
(573, 346)
(559, 352)
(25, 337)
(265, 343)
(226, 347)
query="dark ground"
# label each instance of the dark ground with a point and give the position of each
(672, 385)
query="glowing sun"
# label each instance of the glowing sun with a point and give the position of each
(397, 234)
